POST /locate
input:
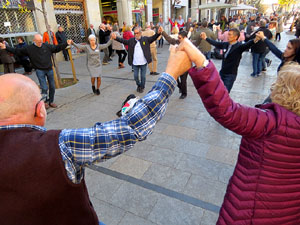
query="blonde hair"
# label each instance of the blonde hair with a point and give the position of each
(286, 89)
(233, 25)
(127, 28)
(175, 30)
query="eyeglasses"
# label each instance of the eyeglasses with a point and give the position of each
(136, 33)
(43, 98)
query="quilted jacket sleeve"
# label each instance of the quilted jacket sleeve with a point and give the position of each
(247, 121)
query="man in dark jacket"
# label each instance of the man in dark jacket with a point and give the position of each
(139, 54)
(103, 34)
(259, 50)
(62, 38)
(90, 31)
(40, 55)
(232, 56)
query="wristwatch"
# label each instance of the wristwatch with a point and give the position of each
(205, 63)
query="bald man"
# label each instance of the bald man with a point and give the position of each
(40, 54)
(42, 172)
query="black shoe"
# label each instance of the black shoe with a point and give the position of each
(269, 63)
(138, 89)
(94, 89)
(151, 73)
(97, 92)
(141, 90)
(264, 69)
(183, 96)
(155, 73)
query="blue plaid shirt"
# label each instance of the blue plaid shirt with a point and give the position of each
(82, 147)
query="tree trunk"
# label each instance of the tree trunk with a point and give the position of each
(56, 72)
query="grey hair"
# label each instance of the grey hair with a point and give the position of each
(92, 36)
(262, 23)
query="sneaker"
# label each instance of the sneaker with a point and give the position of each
(269, 63)
(53, 105)
(155, 73)
(183, 96)
(104, 63)
(97, 92)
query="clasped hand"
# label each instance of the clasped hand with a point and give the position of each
(181, 58)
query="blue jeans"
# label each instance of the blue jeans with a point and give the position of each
(207, 54)
(140, 82)
(228, 80)
(100, 223)
(257, 63)
(42, 74)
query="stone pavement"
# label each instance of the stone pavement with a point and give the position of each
(180, 173)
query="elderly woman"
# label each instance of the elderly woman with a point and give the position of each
(93, 61)
(119, 47)
(265, 185)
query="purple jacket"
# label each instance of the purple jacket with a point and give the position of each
(265, 186)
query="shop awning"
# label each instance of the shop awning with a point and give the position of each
(243, 7)
(215, 5)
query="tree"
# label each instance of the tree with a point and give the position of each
(23, 8)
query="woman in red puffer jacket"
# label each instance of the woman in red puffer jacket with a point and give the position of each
(265, 186)
(127, 35)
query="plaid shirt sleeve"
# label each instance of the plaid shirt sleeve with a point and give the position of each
(81, 147)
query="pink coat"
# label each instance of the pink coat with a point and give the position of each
(265, 186)
(224, 37)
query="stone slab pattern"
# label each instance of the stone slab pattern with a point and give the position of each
(188, 151)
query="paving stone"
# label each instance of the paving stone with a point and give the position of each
(101, 186)
(211, 191)
(130, 166)
(209, 218)
(166, 177)
(134, 199)
(107, 213)
(172, 211)
(131, 219)
(158, 155)
(227, 156)
(181, 132)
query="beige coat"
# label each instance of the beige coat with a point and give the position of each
(148, 33)
(117, 45)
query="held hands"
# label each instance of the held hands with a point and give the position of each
(260, 35)
(193, 53)
(191, 29)
(203, 35)
(178, 63)
(113, 36)
(69, 42)
(2, 46)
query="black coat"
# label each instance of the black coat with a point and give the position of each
(5, 57)
(103, 36)
(261, 46)
(61, 37)
(145, 44)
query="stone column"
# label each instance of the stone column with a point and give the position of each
(149, 12)
(166, 14)
(93, 13)
(195, 9)
(124, 12)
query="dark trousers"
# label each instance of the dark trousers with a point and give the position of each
(26, 64)
(228, 80)
(182, 84)
(161, 42)
(110, 51)
(66, 55)
(278, 36)
(122, 55)
(9, 68)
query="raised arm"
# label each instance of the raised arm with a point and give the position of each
(57, 48)
(103, 46)
(220, 45)
(119, 39)
(247, 121)
(172, 41)
(153, 38)
(271, 46)
(79, 46)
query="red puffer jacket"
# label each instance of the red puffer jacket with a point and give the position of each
(127, 35)
(265, 186)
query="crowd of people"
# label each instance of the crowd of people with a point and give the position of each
(264, 186)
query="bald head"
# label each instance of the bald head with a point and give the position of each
(18, 97)
(38, 40)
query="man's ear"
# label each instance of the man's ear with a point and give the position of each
(41, 110)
